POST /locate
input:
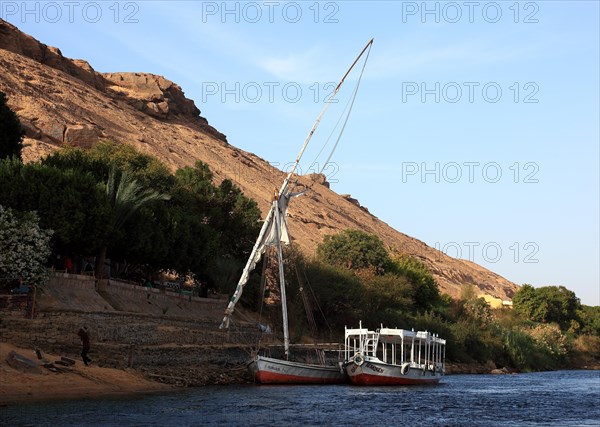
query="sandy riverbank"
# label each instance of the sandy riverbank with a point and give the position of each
(77, 381)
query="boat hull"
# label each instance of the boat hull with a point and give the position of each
(267, 370)
(375, 373)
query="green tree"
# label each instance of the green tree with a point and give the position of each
(69, 202)
(125, 196)
(101, 201)
(590, 319)
(426, 294)
(201, 223)
(197, 180)
(236, 219)
(563, 304)
(479, 311)
(98, 161)
(142, 234)
(11, 132)
(339, 293)
(355, 250)
(520, 348)
(547, 304)
(527, 302)
(224, 208)
(388, 298)
(24, 248)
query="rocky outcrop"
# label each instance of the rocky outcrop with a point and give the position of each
(153, 95)
(319, 178)
(351, 199)
(13, 40)
(81, 135)
(158, 97)
(355, 202)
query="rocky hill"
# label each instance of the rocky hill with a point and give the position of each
(65, 101)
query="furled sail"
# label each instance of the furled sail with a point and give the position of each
(283, 233)
(269, 235)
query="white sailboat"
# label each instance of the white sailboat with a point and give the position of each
(274, 232)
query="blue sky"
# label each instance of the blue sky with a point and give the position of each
(475, 129)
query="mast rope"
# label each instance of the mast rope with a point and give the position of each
(314, 162)
(307, 307)
(263, 288)
(316, 301)
(349, 111)
(345, 113)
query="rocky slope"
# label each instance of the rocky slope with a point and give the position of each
(64, 101)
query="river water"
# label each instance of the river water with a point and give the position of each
(562, 399)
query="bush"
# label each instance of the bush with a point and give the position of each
(590, 320)
(520, 349)
(24, 248)
(426, 293)
(552, 342)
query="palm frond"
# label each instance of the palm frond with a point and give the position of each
(126, 195)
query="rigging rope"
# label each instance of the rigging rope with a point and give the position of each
(317, 301)
(349, 111)
(263, 286)
(307, 307)
(347, 117)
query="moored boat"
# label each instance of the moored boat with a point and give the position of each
(393, 356)
(269, 370)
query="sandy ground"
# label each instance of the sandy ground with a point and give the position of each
(78, 381)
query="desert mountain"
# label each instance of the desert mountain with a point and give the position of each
(65, 101)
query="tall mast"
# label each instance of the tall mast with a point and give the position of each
(286, 334)
(274, 218)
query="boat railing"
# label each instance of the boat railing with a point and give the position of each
(369, 345)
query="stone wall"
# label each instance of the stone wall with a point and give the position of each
(183, 345)
(79, 292)
(15, 305)
(124, 296)
(71, 292)
(56, 330)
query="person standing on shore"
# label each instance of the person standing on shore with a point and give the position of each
(85, 343)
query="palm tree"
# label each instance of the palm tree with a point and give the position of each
(125, 195)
